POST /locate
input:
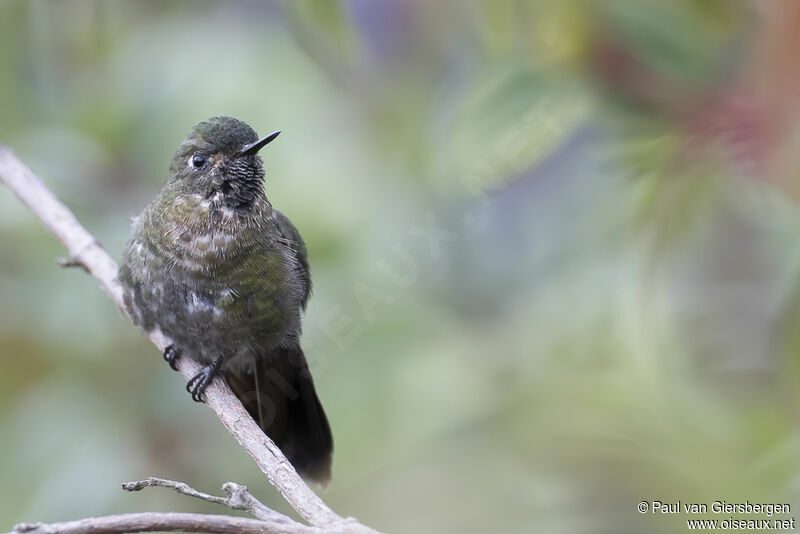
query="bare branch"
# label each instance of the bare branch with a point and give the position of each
(85, 249)
(239, 498)
(163, 522)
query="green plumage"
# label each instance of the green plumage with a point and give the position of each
(226, 277)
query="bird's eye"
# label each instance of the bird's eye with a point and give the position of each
(198, 161)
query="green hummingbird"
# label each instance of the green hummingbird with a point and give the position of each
(225, 275)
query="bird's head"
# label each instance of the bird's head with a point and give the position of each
(219, 158)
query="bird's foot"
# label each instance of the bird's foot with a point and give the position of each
(171, 354)
(199, 382)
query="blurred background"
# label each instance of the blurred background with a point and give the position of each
(555, 246)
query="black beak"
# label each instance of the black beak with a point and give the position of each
(253, 148)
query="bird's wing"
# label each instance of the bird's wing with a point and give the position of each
(298, 246)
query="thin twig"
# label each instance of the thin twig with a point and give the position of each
(163, 522)
(72, 262)
(239, 497)
(84, 248)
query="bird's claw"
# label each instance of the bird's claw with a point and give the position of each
(171, 355)
(198, 383)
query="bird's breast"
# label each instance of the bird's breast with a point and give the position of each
(203, 234)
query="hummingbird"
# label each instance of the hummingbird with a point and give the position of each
(225, 276)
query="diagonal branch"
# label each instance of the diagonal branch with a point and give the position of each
(85, 250)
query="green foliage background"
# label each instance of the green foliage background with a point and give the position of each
(528, 314)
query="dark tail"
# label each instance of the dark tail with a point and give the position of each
(279, 394)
